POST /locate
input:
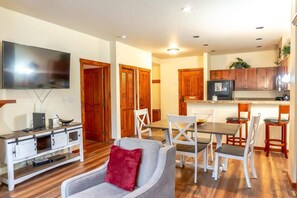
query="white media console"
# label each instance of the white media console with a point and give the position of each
(38, 146)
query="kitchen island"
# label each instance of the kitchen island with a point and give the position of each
(228, 108)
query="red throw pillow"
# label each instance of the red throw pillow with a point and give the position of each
(122, 168)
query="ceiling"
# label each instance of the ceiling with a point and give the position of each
(156, 25)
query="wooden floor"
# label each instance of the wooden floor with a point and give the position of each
(272, 179)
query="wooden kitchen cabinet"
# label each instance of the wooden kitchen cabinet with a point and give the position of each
(246, 79)
(283, 68)
(266, 78)
(240, 79)
(223, 74)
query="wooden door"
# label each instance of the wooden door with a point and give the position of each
(190, 87)
(145, 90)
(94, 104)
(127, 91)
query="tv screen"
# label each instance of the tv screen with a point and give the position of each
(28, 67)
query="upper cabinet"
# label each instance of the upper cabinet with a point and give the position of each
(223, 74)
(266, 78)
(249, 79)
(283, 68)
(245, 79)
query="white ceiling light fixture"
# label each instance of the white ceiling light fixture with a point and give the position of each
(122, 36)
(173, 51)
(187, 9)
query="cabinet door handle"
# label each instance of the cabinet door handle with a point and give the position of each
(53, 142)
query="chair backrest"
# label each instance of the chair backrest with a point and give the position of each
(181, 124)
(149, 159)
(203, 113)
(142, 118)
(252, 134)
(244, 108)
(283, 114)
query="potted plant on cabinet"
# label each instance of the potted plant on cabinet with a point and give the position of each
(239, 64)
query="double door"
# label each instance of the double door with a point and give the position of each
(134, 94)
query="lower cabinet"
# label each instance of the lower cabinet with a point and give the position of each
(39, 150)
(23, 148)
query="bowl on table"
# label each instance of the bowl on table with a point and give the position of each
(201, 121)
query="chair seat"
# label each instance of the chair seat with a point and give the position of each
(204, 140)
(231, 150)
(235, 119)
(275, 120)
(190, 148)
(103, 190)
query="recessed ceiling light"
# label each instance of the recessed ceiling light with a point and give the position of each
(172, 50)
(195, 36)
(187, 9)
(122, 36)
(260, 27)
(258, 39)
(259, 46)
(205, 44)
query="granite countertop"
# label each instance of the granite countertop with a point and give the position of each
(264, 101)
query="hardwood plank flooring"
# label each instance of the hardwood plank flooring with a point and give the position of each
(272, 179)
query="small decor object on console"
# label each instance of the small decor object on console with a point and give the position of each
(64, 122)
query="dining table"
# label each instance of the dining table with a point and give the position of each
(216, 128)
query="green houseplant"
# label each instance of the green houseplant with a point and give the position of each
(286, 50)
(239, 64)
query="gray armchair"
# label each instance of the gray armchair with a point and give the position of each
(156, 177)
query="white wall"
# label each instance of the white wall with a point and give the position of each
(169, 81)
(254, 59)
(156, 98)
(27, 30)
(127, 55)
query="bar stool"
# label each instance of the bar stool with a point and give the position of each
(282, 121)
(243, 108)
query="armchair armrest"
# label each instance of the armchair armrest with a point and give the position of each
(162, 182)
(83, 181)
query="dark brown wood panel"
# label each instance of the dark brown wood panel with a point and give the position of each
(240, 79)
(190, 87)
(266, 78)
(224, 74)
(94, 104)
(272, 178)
(127, 94)
(156, 115)
(251, 78)
(145, 90)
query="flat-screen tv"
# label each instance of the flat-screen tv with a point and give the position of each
(28, 67)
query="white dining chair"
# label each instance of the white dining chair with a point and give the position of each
(142, 118)
(241, 153)
(185, 144)
(208, 115)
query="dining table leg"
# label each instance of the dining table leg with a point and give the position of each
(217, 169)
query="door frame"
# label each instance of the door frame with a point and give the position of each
(107, 96)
